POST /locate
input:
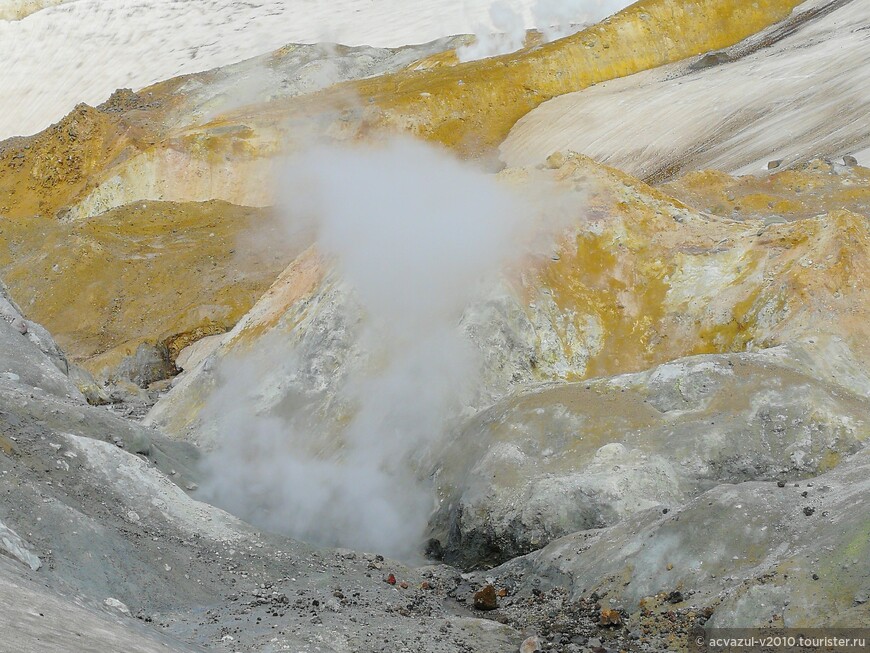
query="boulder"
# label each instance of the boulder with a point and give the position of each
(750, 555)
(149, 364)
(550, 461)
(29, 355)
(12, 545)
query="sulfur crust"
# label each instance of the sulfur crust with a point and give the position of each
(471, 107)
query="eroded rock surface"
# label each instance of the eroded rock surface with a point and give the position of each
(635, 279)
(569, 457)
(114, 539)
(217, 135)
(669, 420)
(752, 554)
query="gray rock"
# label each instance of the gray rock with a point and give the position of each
(150, 363)
(710, 60)
(35, 333)
(35, 619)
(94, 393)
(13, 545)
(21, 357)
(563, 458)
(39, 336)
(747, 551)
(115, 604)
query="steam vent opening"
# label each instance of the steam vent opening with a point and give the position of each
(365, 326)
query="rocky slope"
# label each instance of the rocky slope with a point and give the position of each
(756, 554)
(684, 283)
(615, 416)
(104, 530)
(217, 136)
(738, 108)
(572, 457)
(97, 505)
(97, 47)
(209, 271)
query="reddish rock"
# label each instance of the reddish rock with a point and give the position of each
(486, 599)
(609, 618)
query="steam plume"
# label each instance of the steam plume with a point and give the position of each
(554, 18)
(410, 231)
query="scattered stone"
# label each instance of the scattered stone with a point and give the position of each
(530, 644)
(710, 60)
(149, 364)
(609, 617)
(434, 549)
(675, 597)
(773, 165)
(850, 160)
(809, 510)
(486, 599)
(115, 604)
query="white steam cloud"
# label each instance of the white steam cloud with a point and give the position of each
(411, 232)
(555, 19)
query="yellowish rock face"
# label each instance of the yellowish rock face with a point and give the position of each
(471, 107)
(18, 9)
(468, 107)
(178, 141)
(42, 173)
(653, 279)
(802, 192)
(149, 271)
(637, 279)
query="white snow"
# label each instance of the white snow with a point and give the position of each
(803, 97)
(82, 51)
